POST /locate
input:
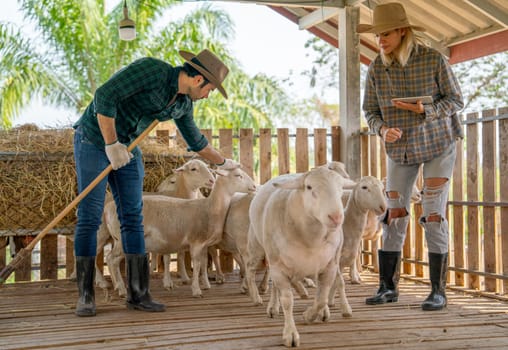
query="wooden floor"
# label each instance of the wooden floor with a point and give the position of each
(41, 316)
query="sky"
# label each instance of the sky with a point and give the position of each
(265, 42)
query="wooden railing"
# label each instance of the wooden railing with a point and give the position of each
(478, 206)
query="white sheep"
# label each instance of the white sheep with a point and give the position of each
(184, 183)
(174, 224)
(296, 222)
(366, 195)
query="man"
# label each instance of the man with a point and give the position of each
(122, 108)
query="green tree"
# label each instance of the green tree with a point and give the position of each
(77, 48)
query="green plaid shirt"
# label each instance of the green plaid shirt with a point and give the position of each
(135, 96)
(424, 136)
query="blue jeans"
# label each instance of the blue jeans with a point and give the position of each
(126, 185)
(401, 179)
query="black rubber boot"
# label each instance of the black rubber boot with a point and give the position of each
(389, 267)
(85, 276)
(438, 266)
(138, 278)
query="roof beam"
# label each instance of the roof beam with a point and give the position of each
(316, 17)
(490, 11)
(301, 3)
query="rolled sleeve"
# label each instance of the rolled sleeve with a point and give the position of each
(191, 133)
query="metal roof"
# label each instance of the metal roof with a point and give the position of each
(461, 29)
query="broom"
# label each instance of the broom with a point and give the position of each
(25, 252)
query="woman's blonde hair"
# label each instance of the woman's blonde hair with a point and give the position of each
(409, 42)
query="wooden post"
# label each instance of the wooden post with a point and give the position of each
(458, 216)
(503, 191)
(226, 148)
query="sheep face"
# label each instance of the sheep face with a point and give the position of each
(369, 194)
(238, 180)
(321, 191)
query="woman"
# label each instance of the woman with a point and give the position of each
(415, 134)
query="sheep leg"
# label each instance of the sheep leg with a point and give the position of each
(205, 282)
(113, 260)
(320, 307)
(181, 268)
(290, 336)
(274, 303)
(167, 282)
(263, 285)
(196, 252)
(102, 239)
(219, 275)
(301, 290)
(339, 285)
(253, 259)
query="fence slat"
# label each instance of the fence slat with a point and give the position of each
(320, 146)
(336, 143)
(49, 257)
(458, 216)
(302, 150)
(283, 150)
(265, 155)
(246, 154)
(490, 255)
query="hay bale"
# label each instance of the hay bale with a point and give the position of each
(38, 177)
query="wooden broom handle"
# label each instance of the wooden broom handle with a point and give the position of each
(89, 188)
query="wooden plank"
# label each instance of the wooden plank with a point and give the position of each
(246, 154)
(226, 142)
(49, 257)
(503, 192)
(374, 155)
(283, 150)
(265, 155)
(336, 143)
(458, 216)
(473, 225)
(490, 254)
(320, 156)
(302, 150)
(365, 155)
(162, 136)
(225, 319)
(69, 257)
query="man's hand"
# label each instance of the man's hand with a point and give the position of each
(118, 155)
(228, 164)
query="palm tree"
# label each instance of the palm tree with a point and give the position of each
(77, 48)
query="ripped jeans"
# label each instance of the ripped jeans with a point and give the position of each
(401, 179)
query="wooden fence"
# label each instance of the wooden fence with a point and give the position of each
(478, 206)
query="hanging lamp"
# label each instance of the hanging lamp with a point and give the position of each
(127, 27)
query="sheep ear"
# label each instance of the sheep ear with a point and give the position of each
(349, 184)
(339, 168)
(292, 184)
(221, 172)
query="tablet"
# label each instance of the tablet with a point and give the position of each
(424, 99)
